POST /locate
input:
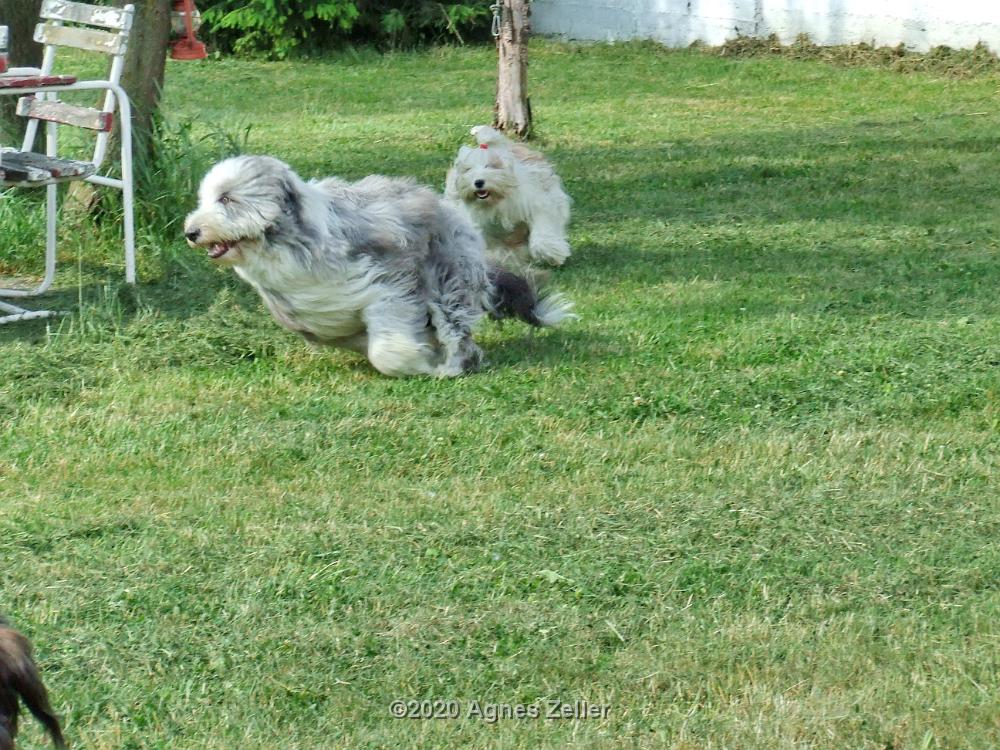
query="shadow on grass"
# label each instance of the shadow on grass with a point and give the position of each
(852, 218)
(754, 279)
(231, 322)
(823, 175)
(179, 293)
(573, 344)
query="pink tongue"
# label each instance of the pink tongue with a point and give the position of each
(218, 251)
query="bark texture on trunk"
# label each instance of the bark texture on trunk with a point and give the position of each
(512, 112)
(21, 17)
(145, 64)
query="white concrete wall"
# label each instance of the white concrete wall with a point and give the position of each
(919, 24)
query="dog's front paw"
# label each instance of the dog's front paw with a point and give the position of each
(551, 251)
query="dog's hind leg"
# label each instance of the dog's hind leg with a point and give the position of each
(461, 353)
(457, 297)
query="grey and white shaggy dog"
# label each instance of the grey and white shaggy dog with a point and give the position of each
(381, 266)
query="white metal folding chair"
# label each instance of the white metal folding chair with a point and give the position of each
(70, 24)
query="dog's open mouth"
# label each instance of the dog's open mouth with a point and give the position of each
(217, 250)
(482, 194)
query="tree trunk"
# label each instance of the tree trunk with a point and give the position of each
(145, 63)
(512, 112)
(21, 17)
(142, 79)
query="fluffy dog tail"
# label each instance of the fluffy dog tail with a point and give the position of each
(515, 296)
(19, 677)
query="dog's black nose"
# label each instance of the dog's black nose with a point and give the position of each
(479, 184)
(193, 234)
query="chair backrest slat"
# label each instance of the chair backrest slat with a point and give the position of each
(66, 114)
(93, 40)
(93, 15)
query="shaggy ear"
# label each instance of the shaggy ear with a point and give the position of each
(451, 182)
(464, 151)
(291, 196)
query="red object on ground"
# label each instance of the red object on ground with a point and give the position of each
(188, 47)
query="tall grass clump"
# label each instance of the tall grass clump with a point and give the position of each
(22, 219)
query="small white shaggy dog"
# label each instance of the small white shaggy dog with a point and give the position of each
(382, 266)
(514, 196)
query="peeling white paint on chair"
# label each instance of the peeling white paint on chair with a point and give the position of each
(92, 15)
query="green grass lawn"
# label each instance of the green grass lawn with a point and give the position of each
(749, 500)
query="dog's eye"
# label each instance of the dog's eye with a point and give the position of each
(225, 200)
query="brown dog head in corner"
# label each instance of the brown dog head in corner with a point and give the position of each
(19, 679)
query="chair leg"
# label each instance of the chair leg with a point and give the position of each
(51, 236)
(128, 194)
(19, 313)
(15, 313)
(51, 211)
(129, 221)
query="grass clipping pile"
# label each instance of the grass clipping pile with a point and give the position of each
(958, 63)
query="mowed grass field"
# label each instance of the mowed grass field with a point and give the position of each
(748, 500)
